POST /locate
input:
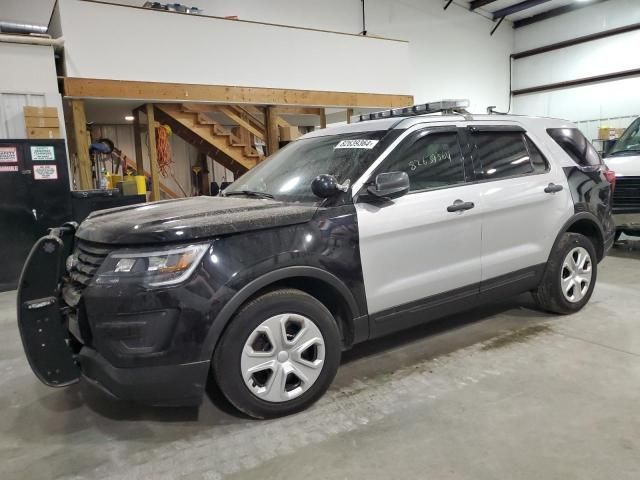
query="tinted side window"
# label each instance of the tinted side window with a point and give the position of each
(540, 164)
(431, 160)
(576, 146)
(501, 154)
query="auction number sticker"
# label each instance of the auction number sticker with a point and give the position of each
(45, 172)
(364, 144)
(8, 155)
(42, 153)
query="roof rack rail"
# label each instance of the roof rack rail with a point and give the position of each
(442, 106)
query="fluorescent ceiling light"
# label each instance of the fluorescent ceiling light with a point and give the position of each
(129, 118)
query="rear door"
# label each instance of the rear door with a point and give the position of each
(415, 252)
(525, 200)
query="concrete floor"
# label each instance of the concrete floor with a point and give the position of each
(505, 392)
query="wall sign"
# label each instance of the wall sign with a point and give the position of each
(42, 154)
(8, 168)
(45, 172)
(8, 155)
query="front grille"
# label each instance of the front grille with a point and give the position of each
(90, 257)
(627, 193)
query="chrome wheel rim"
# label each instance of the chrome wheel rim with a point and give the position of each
(282, 358)
(577, 271)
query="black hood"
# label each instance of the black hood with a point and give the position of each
(189, 219)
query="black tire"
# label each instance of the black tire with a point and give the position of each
(227, 356)
(549, 295)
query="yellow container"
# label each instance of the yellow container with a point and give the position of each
(113, 180)
(141, 184)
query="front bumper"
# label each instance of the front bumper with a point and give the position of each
(627, 221)
(166, 385)
(141, 346)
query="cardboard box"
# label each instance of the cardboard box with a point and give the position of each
(607, 133)
(288, 134)
(46, 132)
(42, 122)
(49, 112)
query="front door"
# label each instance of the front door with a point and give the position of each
(419, 248)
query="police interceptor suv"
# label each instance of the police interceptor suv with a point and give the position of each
(624, 158)
(345, 235)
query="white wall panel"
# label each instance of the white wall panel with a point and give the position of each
(594, 18)
(133, 44)
(450, 53)
(617, 99)
(28, 78)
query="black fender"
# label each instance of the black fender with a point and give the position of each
(251, 288)
(592, 219)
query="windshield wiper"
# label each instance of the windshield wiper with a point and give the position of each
(249, 193)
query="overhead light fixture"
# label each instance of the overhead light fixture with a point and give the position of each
(129, 118)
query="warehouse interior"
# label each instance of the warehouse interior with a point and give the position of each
(122, 103)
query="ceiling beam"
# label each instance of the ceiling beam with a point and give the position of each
(518, 7)
(154, 92)
(578, 82)
(553, 13)
(479, 3)
(576, 41)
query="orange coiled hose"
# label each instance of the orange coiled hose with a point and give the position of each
(163, 148)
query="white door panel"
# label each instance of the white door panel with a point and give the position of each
(521, 221)
(414, 248)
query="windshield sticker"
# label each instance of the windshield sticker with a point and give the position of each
(45, 172)
(364, 144)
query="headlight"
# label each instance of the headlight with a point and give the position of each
(151, 268)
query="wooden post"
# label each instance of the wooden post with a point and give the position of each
(137, 141)
(323, 118)
(153, 153)
(81, 141)
(349, 114)
(271, 127)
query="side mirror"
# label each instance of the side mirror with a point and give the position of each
(390, 185)
(325, 186)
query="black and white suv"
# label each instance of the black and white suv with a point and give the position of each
(345, 235)
(624, 158)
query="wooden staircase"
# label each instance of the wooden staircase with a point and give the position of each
(232, 149)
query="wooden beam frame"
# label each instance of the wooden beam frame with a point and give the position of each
(81, 144)
(153, 153)
(323, 118)
(181, 92)
(137, 140)
(271, 127)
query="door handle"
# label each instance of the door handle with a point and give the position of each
(553, 188)
(459, 206)
(25, 172)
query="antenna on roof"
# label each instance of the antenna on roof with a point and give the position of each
(442, 106)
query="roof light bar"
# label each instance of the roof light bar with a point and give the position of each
(441, 106)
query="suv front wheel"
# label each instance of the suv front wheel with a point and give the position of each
(279, 354)
(569, 277)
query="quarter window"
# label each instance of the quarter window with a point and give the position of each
(432, 160)
(502, 154)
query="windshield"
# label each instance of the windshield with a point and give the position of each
(630, 139)
(287, 175)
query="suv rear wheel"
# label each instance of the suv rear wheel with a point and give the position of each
(278, 355)
(570, 275)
